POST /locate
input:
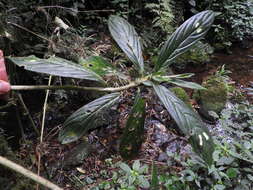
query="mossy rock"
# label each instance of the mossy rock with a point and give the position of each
(214, 98)
(182, 95)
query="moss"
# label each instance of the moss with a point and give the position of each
(182, 95)
(214, 98)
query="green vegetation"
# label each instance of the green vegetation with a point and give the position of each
(232, 167)
(116, 114)
(92, 115)
(164, 18)
(234, 20)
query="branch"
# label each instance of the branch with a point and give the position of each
(28, 174)
(70, 87)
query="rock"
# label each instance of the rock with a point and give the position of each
(158, 108)
(214, 98)
(163, 157)
(77, 155)
(182, 95)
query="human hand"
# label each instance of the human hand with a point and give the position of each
(4, 84)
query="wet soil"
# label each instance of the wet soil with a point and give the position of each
(240, 65)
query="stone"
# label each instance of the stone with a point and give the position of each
(182, 95)
(214, 98)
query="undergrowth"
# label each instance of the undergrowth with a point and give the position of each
(232, 168)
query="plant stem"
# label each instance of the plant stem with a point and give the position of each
(42, 127)
(70, 87)
(28, 173)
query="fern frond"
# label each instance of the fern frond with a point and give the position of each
(164, 18)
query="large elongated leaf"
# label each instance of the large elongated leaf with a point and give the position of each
(185, 37)
(87, 117)
(188, 121)
(187, 84)
(133, 133)
(56, 66)
(174, 80)
(127, 39)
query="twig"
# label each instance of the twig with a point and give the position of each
(27, 30)
(20, 98)
(44, 111)
(29, 174)
(43, 126)
(70, 87)
(9, 104)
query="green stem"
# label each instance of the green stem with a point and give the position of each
(70, 87)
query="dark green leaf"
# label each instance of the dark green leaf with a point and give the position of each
(232, 172)
(189, 123)
(132, 137)
(187, 84)
(136, 165)
(56, 66)
(143, 182)
(219, 187)
(125, 168)
(128, 40)
(87, 117)
(185, 37)
(174, 80)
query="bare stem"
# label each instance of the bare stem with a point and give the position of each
(42, 127)
(28, 173)
(70, 87)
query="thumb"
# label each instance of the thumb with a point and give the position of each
(4, 87)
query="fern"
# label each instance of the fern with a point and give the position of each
(164, 18)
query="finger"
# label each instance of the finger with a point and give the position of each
(3, 73)
(4, 87)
